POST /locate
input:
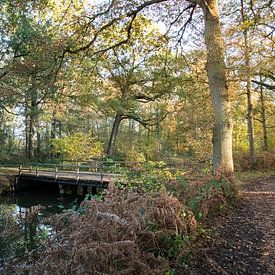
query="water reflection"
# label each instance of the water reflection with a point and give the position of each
(24, 222)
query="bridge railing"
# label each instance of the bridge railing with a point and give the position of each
(59, 170)
(102, 168)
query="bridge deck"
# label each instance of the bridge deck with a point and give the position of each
(94, 179)
(71, 175)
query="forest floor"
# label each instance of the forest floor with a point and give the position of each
(243, 241)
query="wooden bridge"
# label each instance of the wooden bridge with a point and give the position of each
(96, 174)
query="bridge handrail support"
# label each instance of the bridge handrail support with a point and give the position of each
(20, 169)
(36, 171)
(56, 173)
(101, 172)
(77, 173)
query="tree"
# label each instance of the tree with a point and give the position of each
(89, 34)
(114, 13)
(250, 46)
(247, 57)
(33, 65)
(136, 78)
(222, 132)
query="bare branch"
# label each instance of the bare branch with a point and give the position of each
(7, 110)
(267, 86)
(183, 28)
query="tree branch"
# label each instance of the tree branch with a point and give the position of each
(267, 86)
(132, 14)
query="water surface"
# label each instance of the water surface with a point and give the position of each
(24, 219)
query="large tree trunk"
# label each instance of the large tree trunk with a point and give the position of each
(263, 120)
(113, 136)
(222, 121)
(248, 92)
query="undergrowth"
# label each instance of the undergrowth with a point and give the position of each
(145, 224)
(265, 162)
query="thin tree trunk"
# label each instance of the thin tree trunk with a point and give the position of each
(158, 134)
(248, 93)
(48, 140)
(32, 124)
(265, 146)
(26, 135)
(26, 127)
(113, 136)
(53, 126)
(158, 139)
(38, 142)
(222, 128)
(59, 129)
(31, 137)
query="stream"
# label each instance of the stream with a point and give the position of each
(24, 222)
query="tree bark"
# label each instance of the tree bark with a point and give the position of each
(215, 67)
(250, 130)
(113, 136)
(263, 120)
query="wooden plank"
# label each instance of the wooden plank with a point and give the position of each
(94, 179)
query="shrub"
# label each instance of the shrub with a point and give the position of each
(203, 194)
(78, 146)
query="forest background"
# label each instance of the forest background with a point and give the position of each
(87, 79)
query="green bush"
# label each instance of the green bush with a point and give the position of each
(79, 146)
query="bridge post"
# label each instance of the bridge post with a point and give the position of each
(15, 184)
(56, 173)
(77, 173)
(36, 172)
(20, 169)
(101, 172)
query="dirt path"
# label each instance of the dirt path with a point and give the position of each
(243, 242)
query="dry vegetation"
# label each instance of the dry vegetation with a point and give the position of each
(130, 232)
(265, 161)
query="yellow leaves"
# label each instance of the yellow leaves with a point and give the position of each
(247, 24)
(78, 146)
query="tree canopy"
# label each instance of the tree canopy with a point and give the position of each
(153, 79)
